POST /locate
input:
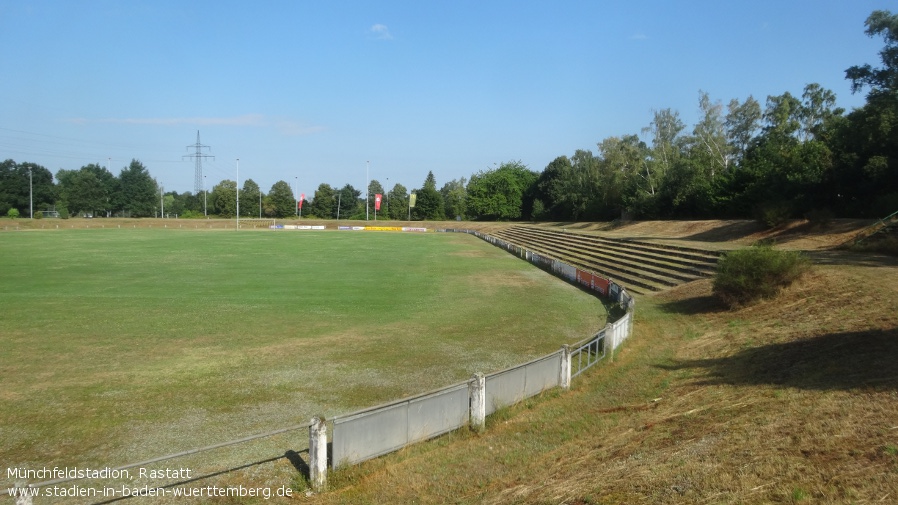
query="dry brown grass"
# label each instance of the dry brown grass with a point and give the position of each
(791, 400)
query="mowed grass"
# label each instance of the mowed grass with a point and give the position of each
(121, 345)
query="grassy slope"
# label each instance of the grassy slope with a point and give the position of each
(793, 400)
(121, 345)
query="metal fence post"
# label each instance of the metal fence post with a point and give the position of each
(565, 380)
(477, 388)
(318, 454)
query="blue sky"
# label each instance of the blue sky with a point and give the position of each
(314, 92)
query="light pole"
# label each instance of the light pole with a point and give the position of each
(295, 201)
(238, 193)
(205, 213)
(30, 194)
(367, 189)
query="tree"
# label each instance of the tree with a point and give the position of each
(188, 204)
(349, 203)
(742, 123)
(499, 194)
(624, 159)
(178, 204)
(224, 198)
(709, 142)
(324, 202)
(865, 179)
(818, 109)
(549, 189)
(686, 188)
(398, 207)
(429, 203)
(883, 80)
(139, 191)
(430, 182)
(19, 191)
(89, 190)
(83, 193)
(168, 204)
(783, 118)
(110, 186)
(282, 199)
(781, 175)
(250, 195)
(665, 129)
(454, 194)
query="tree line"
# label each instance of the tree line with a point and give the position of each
(792, 156)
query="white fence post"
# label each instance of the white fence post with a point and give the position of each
(609, 342)
(565, 379)
(477, 388)
(318, 454)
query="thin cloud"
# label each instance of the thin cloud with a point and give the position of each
(380, 32)
(293, 129)
(285, 126)
(638, 36)
(244, 120)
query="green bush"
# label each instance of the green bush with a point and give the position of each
(13, 213)
(192, 214)
(757, 272)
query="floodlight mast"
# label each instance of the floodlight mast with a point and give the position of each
(238, 194)
(367, 189)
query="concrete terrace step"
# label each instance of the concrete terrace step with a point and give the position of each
(673, 253)
(645, 255)
(668, 277)
(642, 267)
(635, 282)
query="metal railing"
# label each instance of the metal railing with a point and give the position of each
(588, 353)
(875, 228)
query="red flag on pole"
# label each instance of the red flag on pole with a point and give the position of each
(302, 196)
(377, 198)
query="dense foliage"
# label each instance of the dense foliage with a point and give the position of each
(792, 156)
(758, 272)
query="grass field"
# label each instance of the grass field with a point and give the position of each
(121, 345)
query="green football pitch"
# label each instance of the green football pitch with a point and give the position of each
(121, 345)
